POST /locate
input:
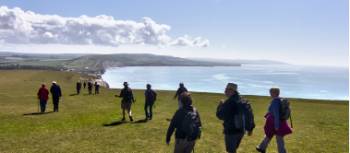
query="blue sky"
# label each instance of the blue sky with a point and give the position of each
(312, 32)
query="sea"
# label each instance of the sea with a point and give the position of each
(294, 81)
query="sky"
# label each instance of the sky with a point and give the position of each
(312, 32)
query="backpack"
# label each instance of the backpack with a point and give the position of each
(191, 125)
(244, 117)
(285, 110)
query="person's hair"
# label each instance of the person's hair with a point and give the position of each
(275, 90)
(186, 99)
(232, 86)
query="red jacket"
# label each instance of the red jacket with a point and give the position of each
(43, 93)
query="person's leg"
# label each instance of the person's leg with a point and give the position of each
(239, 138)
(189, 145)
(232, 142)
(280, 144)
(57, 105)
(123, 111)
(129, 113)
(45, 102)
(229, 144)
(150, 111)
(179, 146)
(146, 111)
(263, 145)
(42, 107)
(54, 104)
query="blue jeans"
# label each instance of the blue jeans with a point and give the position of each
(42, 105)
(280, 144)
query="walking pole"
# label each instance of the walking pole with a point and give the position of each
(39, 106)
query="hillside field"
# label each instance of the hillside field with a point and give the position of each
(89, 123)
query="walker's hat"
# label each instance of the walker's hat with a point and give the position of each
(54, 82)
(232, 86)
(125, 83)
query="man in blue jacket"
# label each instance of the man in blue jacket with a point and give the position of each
(56, 94)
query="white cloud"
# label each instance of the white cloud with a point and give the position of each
(26, 27)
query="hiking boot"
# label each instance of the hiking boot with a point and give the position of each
(131, 119)
(260, 150)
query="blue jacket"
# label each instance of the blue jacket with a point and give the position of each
(274, 109)
(55, 91)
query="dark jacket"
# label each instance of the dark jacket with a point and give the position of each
(150, 96)
(176, 122)
(89, 85)
(55, 91)
(127, 95)
(226, 112)
(78, 86)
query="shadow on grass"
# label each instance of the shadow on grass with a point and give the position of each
(75, 94)
(116, 123)
(141, 121)
(37, 113)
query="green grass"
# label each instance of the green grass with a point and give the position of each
(319, 126)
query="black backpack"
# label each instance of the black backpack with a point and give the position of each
(244, 117)
(285, 110)
(191, 125)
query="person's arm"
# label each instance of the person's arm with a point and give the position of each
(155, 95)
(220, 111)
(132, 96)
(59, 91)
(121, 94)
(176, 94)
(171, 128)
(200, 124)
(276, 113)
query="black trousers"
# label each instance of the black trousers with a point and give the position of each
(148, 109)
(55, 101)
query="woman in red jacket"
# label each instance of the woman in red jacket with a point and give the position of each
(43, 96)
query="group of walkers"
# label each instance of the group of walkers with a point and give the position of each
(43, 96)
(90, 85)
(235, 112)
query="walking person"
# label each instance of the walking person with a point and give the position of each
(97, 88)
(150, 98)
(78, 87)
(237, 116)
(276, 123)
(89, 87)
(56, 94)
(127, 100)
(178, 93)
(188, 125)
(43, 96)
(84, 85)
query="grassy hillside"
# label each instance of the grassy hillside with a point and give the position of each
(95, 63)
(80, 126)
